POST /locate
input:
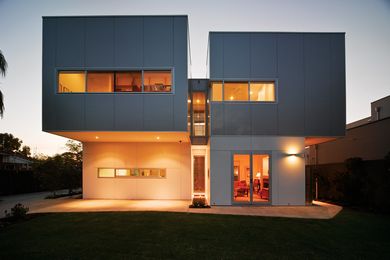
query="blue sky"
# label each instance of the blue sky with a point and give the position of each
(366, 23)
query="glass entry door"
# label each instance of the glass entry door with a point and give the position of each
(251, 178)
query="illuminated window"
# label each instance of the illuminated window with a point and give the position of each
(243, 91)
(216, 91)
(157, 81)
(199, 113)
(71, 81)
(106, 173)
(100, 82)
(131, 172)
(114, 81)
(235, 91)
(128, 81)
(262, 91)
(122, 172)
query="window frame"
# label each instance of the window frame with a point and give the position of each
(130, 176)
(113, 70)
(254, 80)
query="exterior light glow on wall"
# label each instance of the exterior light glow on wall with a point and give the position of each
(158, 137)
(96, 137)
(231, 98)
(293, 155)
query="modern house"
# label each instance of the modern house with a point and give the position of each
(119, 84)
(367, 138)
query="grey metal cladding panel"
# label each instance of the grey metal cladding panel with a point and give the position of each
(70, 42)
(70, 111)
(237, 119)
(291, 106)
(48, 77)
(216, 55)
(128, 112)
(236, 55)
(99, 112)
(129, 41)
(264, 119)
(181, 78)
(158, 41)
(337, 86)
(180, 105)
(263, 55)
(158, 112)
(99, 45)
(216, 118)
(317, 84)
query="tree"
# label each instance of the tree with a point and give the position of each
(9, 143)
(26, 151)
(3, 70)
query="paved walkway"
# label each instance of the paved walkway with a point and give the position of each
(37, 203)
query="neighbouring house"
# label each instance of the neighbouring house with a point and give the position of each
(367, 138)
(13, 161)
(119, 84)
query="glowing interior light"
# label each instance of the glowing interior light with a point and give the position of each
(158, 137)
(197, 101)
(189, 100)
(231, 97)
(96, 137)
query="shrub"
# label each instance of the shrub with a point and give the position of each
(17, 212)
(199, 203)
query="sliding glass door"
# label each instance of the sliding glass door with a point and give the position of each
(251, 178)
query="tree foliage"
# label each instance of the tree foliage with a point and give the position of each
(3, 70)
(9, 143)
(62, 171)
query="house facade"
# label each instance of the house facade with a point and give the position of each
(119, 84)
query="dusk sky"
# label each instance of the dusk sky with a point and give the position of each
(366, 23)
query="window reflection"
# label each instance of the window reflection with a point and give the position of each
(128, 81)
(71, 81)
(100, 82)
(235, 91)
(157, 81)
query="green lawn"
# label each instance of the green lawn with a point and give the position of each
(122, 235)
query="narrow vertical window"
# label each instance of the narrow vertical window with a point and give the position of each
(199, 113)
(71, 81)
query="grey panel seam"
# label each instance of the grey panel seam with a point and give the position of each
(143, 64)
(172, 73)
(85, 63)
(114, 57)
(277, 85)
(304, 83)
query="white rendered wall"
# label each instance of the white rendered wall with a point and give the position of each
(287, 172)
(175, 157)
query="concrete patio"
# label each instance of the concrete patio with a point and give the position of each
(38, 204)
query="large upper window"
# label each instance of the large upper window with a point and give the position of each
(71, 81)
(114, 81)
(157, 81)
(262, 91)
(235, 91)
(100, 82)
(254, 91)
(128, 81)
